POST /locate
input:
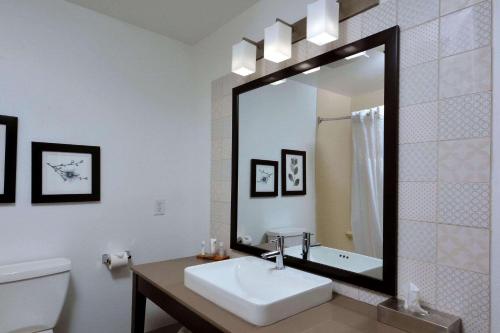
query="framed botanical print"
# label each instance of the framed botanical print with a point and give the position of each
(293, 172)
(263, 178)
(8, 159)
(65, 173)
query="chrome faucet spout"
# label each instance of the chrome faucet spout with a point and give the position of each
(270, 255)
(278, 254)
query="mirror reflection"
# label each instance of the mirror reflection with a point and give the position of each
(310, 164)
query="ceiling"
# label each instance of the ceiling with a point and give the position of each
(188, 21)
(350, 77)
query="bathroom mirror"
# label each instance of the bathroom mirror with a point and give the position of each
(315, 150)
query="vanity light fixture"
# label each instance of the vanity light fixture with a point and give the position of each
(278, 42)
(323, 21)
(360, 54)
(244, 57)
(312, 70)
(275, 83)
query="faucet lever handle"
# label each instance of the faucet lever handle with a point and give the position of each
(277, 238)
(280, 242)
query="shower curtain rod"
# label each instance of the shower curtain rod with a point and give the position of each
(320, 119)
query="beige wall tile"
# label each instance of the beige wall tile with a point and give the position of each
(464, 247)
(467, 295)
(299, 53)
(221, 191)
(346, 289)
(417, 240)
(222, 128)
(418, 123)
(448, 6)
(465, 30)
(419, 84)
(415, 12)
(379, 18)
(420, 44)
(371, 297)
(221, 212)
(221, 232)
(422, 274)
(464, 161)
(223, 107)
(351, 29)
(221, 170)
(418, 162)
(221, 149)
(216, 87)
(417, 201)
(464, 204)
(465, 73)
(467, 116)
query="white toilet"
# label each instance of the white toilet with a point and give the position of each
(32, 295)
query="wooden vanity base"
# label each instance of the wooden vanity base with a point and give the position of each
(143, 289)
(163, 284)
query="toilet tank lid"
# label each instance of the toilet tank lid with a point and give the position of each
(286, 231)
(33, 269)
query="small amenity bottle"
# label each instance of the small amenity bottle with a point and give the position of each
(213, 243)
(203, 251)
(220, 251)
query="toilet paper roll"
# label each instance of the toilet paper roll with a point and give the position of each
(118, 260)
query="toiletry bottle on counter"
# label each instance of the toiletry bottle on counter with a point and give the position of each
(220, 251)
(213, 243)
(203, 251)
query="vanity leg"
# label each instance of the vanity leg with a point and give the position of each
(138, 308)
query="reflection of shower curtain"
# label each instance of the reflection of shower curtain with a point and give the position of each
(367, 181)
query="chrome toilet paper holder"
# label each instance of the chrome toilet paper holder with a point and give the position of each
(106, 258)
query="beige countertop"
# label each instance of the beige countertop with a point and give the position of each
(340, 315)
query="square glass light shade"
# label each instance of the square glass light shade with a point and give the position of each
(323, 21)
(244, 58)
(278, 42)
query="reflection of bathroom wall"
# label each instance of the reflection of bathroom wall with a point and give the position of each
(274, 118)
(333, 171)
(366, 101)
(334, 165)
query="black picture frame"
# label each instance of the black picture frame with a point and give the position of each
(390, 39)
(254, 163)
(284, 172)
(10, 167)
(37, 149)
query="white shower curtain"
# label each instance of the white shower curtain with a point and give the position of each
(367, 181)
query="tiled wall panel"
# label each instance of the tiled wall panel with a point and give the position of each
(445, 127)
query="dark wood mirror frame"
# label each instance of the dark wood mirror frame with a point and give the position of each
(389, 38)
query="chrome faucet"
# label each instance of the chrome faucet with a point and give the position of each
(306, 244)
(278, 254)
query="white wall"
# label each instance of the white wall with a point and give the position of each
(368, 100)
(74, 76)
(285, 118)
(495, 180)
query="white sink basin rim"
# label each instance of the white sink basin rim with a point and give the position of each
(254, 290)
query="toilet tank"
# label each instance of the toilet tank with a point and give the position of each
(293, 235)
(32, 294)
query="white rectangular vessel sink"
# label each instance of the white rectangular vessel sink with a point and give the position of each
(255, 291)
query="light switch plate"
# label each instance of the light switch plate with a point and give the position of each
(160, 207)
